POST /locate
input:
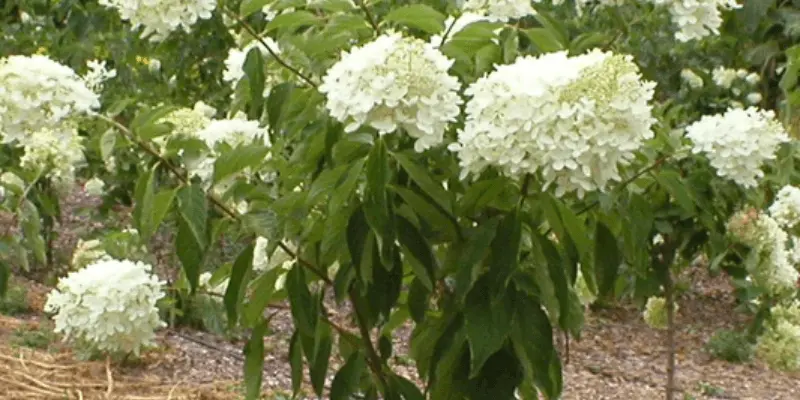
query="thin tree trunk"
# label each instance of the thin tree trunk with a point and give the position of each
(670, 300)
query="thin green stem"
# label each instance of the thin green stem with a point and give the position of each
(269, 48)
(448, 30)
(211, 197)
(370, 18)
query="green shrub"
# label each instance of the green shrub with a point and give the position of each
(731, 346)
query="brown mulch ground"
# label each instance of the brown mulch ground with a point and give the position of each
(618, 357)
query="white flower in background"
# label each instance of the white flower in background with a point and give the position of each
(57, 154)
(786, 311)
(754, 98)
(217, 291)
(574, 119)
(205, 109)
(234, 132)
(110, 304)
(87, 252)
(234, 63)
(738, 142)
(37, 92)
(770, 260)
(585, 295)
(785, 209)
(697, 19)
(394, 83)
(753, 78)
(154, 66)
(692, 79)
(94, 187)
(501, 10)
(456, 24)
(97, 75)
(279, 259)
(160, 17)
(779, 346)
(723, 77)
(655, 312)
(186, 122)
(13, 182)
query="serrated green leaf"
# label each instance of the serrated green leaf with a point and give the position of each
(162, 202)
(544, 40)
(532, 338)
(419, 16)
(345, 189)
(432, 215)
(143, 197)
(193, 208)
(420, 250)
(422, 177)
(237, 284)
(189, 253)
(277, 103)
(144, 124)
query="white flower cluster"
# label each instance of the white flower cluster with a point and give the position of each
(88, 252)
(392, 83)
(94, 187)
(501, 10)
(697, 19)
(187, 122)
(38, 93)
(574, 119)
(691, 78)
(234, 64)
(56, 154)
(738, 142)
(97, 75)
(779, 346)
(110, 304)
(233, 132)
(770, 261)
(160, 17)
(786, 207)
(655, 312)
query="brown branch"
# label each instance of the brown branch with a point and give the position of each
(370, 18)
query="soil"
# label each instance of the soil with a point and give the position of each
(618, 356)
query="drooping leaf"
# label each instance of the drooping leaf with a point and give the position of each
(254, 362)
(487, 320)
(532, 338)
(347, 380)
(420, 249)
(607, 259)
(237, 284)
(419, 16)
(193, 208)
(161, 204)
(238, 159)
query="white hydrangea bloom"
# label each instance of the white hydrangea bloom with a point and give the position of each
(697, 19)
(160, 17)
(394, 82)
(753, 78)
(501, 10)
(97, 75)
(574, 119)
(655, 312)
(186, 122)
(779, 346)
(36, 93)
(234, 63)
(87, 252)
(724, 77)
(57, 154)
(692, 79)
(770, 260)
(738, 142)
(110, 304)
(456, 24)
(94, 186)
(785, 209)
(754, 98)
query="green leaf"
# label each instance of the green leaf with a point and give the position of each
(300, 301)
(239, 158)
(263, 289)
(417, 300)
(510, 40)
(318, 365)
(296, 362)
(237, 284)
(546, 254)
(420, 250)
(5, 275)
(277, 103)
(291, 21)
(607, 259)
(505, 250)
(325, 184)
(480, 194)
(532, 338)
(143, 197)
(432, 215)
(144, 125)
(544, 40)
(32, 230)
(193, 208)
(189, 253)
(119, 106)
(254, 71)
(107, 143)
(345, 189)
(672, 182)
(347, 380)
(469, 256)
(487, 322)
(162, 202)
(407, 389)
(422, 177)
(556, 28)
(376, 202)
(588, 40)
(250, 6)
(254, 361)
(419, 16)
(264, 223)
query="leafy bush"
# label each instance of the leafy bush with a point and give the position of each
(730, 345)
